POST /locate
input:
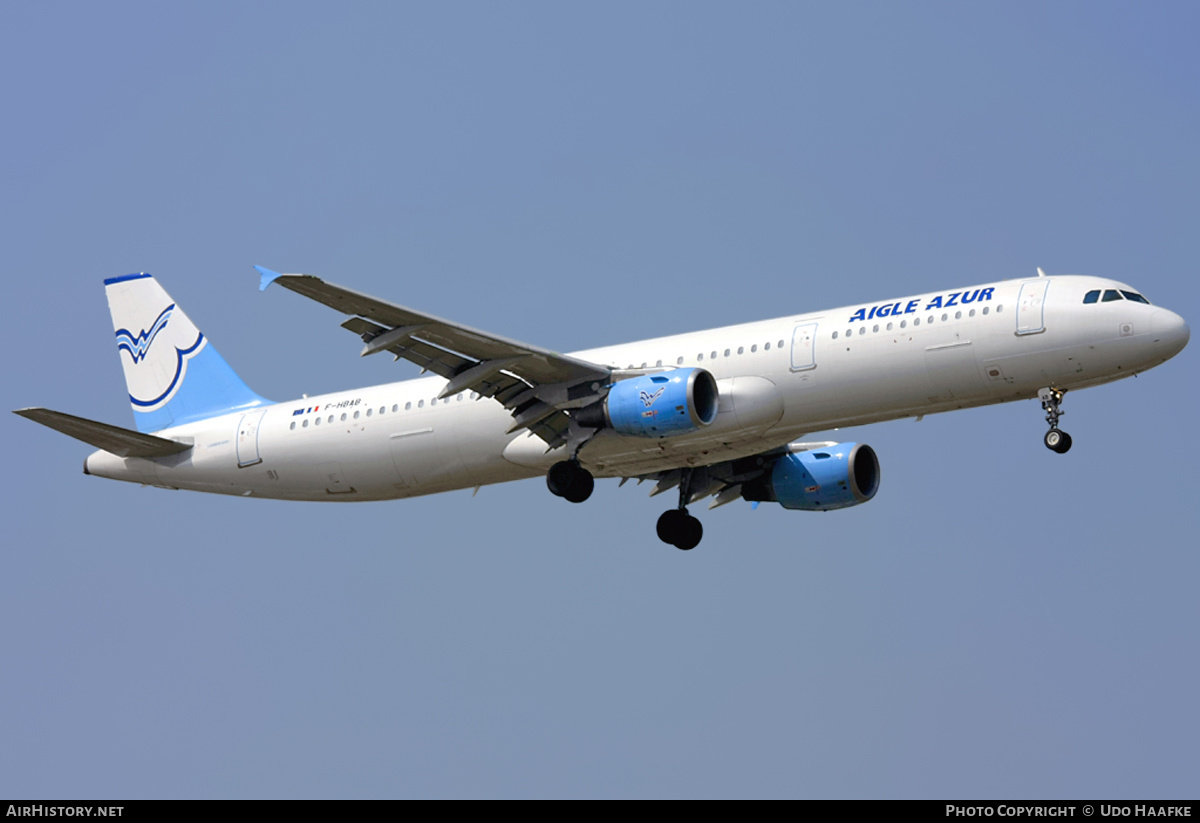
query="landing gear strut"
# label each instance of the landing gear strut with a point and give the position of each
(570, 481)
(676, 526)
(1056, 440)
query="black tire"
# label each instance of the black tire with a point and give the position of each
(670, 524)
(581, 486)
(690, 534)
(1064, 445)
(558, 479)
(1058, 441)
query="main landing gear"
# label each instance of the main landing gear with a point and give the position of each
(676, 526)
(680, 529)
(570, 481)
(1056, 440)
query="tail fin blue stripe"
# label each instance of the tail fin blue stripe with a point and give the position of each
(125, 277)
(182, 354)
(138, 344)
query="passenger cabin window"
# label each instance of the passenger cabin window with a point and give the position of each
(1092, 296)
(1110, 295)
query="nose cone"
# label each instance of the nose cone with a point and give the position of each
(1170, 332)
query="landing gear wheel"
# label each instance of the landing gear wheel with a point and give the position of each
(558, 479)
(581, 487)
(570, 481)
(679, 529)
(1058, 441)
(691, 534)
(670, 525)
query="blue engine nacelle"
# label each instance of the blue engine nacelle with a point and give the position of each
(656, 405)
(819, 480)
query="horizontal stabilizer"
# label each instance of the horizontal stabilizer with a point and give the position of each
(112, 439)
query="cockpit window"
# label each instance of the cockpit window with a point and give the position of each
(1135, 297)
(1111, 295)
(1092, 296)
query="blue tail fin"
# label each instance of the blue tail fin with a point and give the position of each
(173, 375)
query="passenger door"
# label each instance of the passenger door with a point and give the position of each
(1031, 306)
(247, 438)
(804, 339)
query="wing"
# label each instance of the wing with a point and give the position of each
(536, 385)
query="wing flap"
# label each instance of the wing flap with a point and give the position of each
(112, 439)
(510, 372)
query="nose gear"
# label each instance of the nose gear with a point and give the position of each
(1056, 440)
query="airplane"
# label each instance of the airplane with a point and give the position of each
(712, 414)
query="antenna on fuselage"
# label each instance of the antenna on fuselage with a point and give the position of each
(1040, 272)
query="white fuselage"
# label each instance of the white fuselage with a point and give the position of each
(778, 379)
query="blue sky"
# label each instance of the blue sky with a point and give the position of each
(998, 622)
